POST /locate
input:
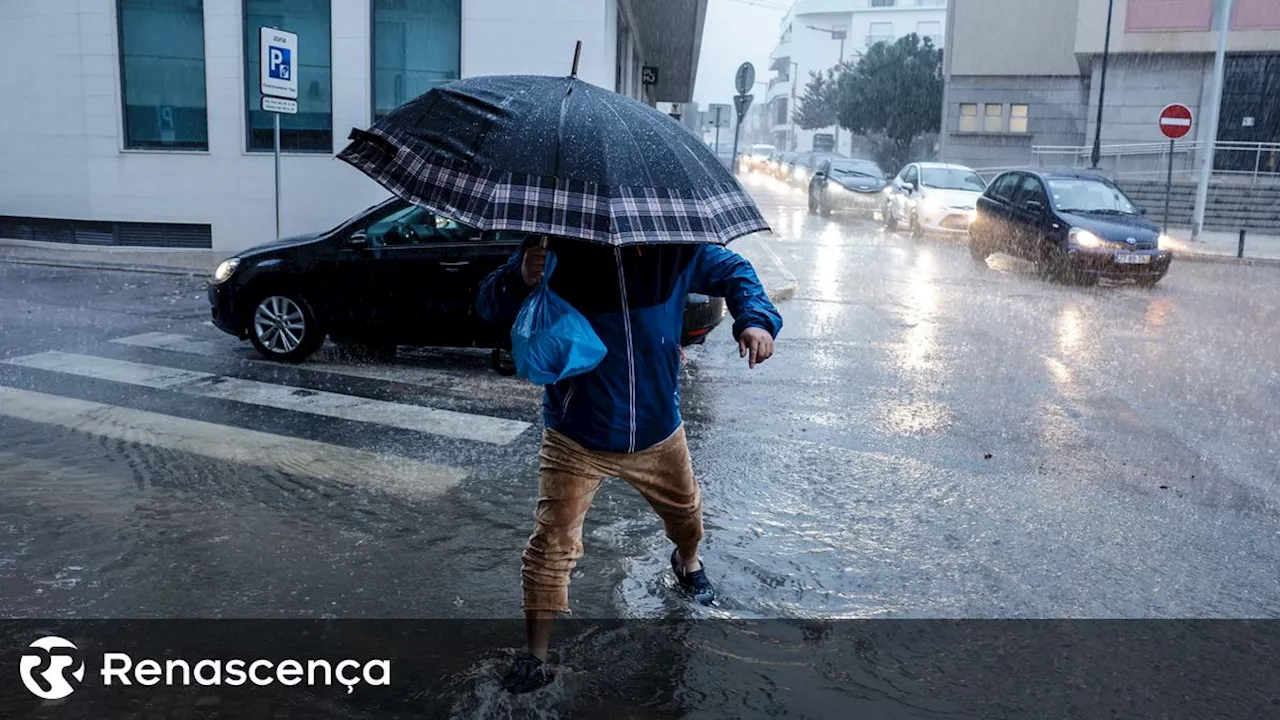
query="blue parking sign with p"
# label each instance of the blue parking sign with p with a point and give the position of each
(281, 65)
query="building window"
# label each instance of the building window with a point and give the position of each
(882, 3)
(880, 32)
(968, 117)
(780, 111)
(416, 47)
(162, 74)
(930, 30)
(311, 130)
(993, 117)
(1018, 118)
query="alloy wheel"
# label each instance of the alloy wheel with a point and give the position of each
(279, 324)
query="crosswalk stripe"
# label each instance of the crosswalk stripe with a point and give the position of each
(425, 377)
(344, 465)
(445, 423)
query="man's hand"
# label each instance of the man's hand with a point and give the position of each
(756, 343)
(535, 260)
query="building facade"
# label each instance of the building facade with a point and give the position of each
(138, 122)
(816, 35)
(1014, 97)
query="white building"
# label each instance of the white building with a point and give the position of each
(137, 121)
(810, 40)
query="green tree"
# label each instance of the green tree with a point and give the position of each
(893, 90)
(816, 108)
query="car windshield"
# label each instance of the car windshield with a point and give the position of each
(859, 169)
(1089, 196)
(951, 179)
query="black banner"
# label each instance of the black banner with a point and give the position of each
(637, 668)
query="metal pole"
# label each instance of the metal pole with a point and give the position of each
(277, 144)
(735, 152)
(1168, 188)
(737, 129)
(1240, 249)
(791, 105)
(1211, 126)
(835, 77)
(1102, 88)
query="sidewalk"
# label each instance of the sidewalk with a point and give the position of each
(1218, 246)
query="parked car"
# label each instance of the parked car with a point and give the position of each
(932, 197)
(785, 165)
(392, 275)
(806, 164)
(847, 184)
(1074, 226)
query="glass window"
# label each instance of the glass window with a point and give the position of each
(993, 120)
(1004, 186)
(416, 47)
(912, 175)
(951, 179)
(412, 225)
(968, 117)
(1018, 118)
(311, 130)
(882, 3)
(1085, 195)
(880, 32)
(1032, 189)
(162, 74)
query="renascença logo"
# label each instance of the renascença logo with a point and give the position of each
(52, 668)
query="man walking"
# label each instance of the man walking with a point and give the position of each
(622, 419)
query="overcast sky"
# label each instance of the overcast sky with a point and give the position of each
(736, 31)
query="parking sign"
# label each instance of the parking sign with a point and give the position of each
(279, 57)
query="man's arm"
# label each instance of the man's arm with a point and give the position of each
(505, 289)
(756, 322)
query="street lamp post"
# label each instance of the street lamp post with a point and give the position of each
(1102, 87)
(835, 35)
(791, 105)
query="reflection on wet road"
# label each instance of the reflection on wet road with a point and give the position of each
(934, 438)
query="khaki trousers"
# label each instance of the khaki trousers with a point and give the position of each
(569, 476)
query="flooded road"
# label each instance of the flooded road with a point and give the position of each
(933, 439)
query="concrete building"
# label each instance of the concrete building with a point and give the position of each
(1023, 76)
(137, 121)
(809, 40)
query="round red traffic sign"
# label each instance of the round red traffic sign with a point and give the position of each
(1175, 121)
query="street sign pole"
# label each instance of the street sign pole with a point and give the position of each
(743, 81)
(718, 132)
(277, 151)
(1175, 122)
(278, 62)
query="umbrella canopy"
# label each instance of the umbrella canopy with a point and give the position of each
(557, 156)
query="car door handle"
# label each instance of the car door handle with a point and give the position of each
(457, 264)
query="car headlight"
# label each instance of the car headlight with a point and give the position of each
(225, 269)
(1164, 242)
(1085, 238)
(973, 216)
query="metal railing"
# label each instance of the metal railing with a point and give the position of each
(1254, 160)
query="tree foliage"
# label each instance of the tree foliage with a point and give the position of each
(894, 90)
(816, 108)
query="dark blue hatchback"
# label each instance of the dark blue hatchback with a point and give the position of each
(1074, 226)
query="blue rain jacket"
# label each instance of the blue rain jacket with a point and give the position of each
(634, 298)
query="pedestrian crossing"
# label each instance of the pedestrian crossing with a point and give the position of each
(228, 442)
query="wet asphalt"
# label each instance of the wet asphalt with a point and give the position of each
(934, 438)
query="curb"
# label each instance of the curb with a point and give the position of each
(118, 267)
(1208, 259)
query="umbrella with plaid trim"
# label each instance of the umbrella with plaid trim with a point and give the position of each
(554, 156)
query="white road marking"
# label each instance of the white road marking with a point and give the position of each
(445, 423)
(344, 465)
(424, 377)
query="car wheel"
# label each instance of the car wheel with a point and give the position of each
(890, 222)
(283, 327)
(1150, 282)
(813, 206)
(824, 209)
(978, 249)
(917, 232)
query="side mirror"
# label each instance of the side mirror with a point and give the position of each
(1035, 206)
(909, 187)
(358, 240)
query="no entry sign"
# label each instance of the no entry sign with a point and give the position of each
(1175, 121)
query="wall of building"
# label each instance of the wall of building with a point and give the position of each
(997, 37)
(1056, 116)
(62, 152)
(1175, 26)
(1139, 87)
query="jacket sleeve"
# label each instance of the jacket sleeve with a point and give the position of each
(722, 272)
(502, 292)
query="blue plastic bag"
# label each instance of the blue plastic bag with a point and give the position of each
(550, 340)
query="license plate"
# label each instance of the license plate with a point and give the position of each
(1127, 259)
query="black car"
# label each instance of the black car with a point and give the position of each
(393, 275)
(783, 165)
(847, 184)
(1074, 226)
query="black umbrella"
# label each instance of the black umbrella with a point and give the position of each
(557, 156)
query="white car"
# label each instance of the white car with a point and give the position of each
(932, 197)
(759, 156)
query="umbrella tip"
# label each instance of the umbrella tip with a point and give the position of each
(577, 51)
